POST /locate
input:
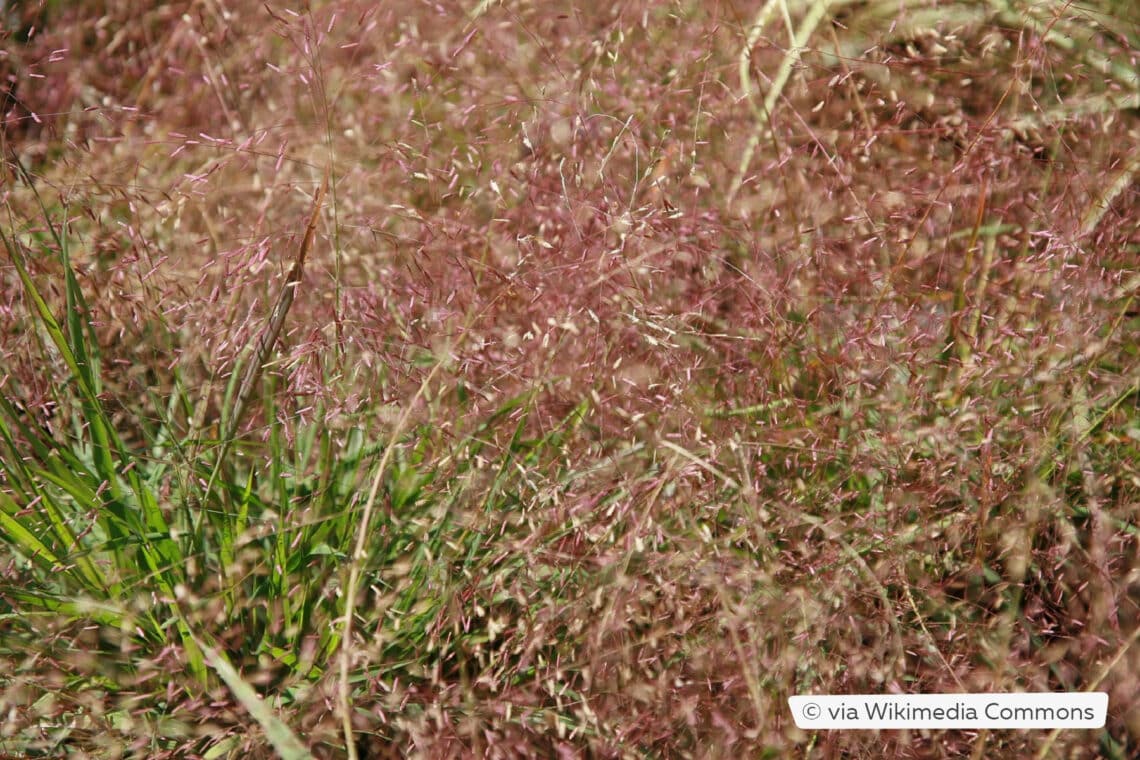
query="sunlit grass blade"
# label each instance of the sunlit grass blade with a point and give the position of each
(288, 746)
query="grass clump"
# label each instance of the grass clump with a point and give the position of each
(634, 369)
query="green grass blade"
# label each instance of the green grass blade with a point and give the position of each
(288, 746)
(16, 532)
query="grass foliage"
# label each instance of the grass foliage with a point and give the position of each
(531, 379)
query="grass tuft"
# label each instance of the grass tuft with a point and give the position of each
(634, 368)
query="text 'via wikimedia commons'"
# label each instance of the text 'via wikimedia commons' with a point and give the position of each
(870, 711)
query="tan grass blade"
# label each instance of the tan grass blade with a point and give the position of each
(272, 330)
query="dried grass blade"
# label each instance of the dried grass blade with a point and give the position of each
(273, 329)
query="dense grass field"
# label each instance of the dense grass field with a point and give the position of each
(564, 379)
